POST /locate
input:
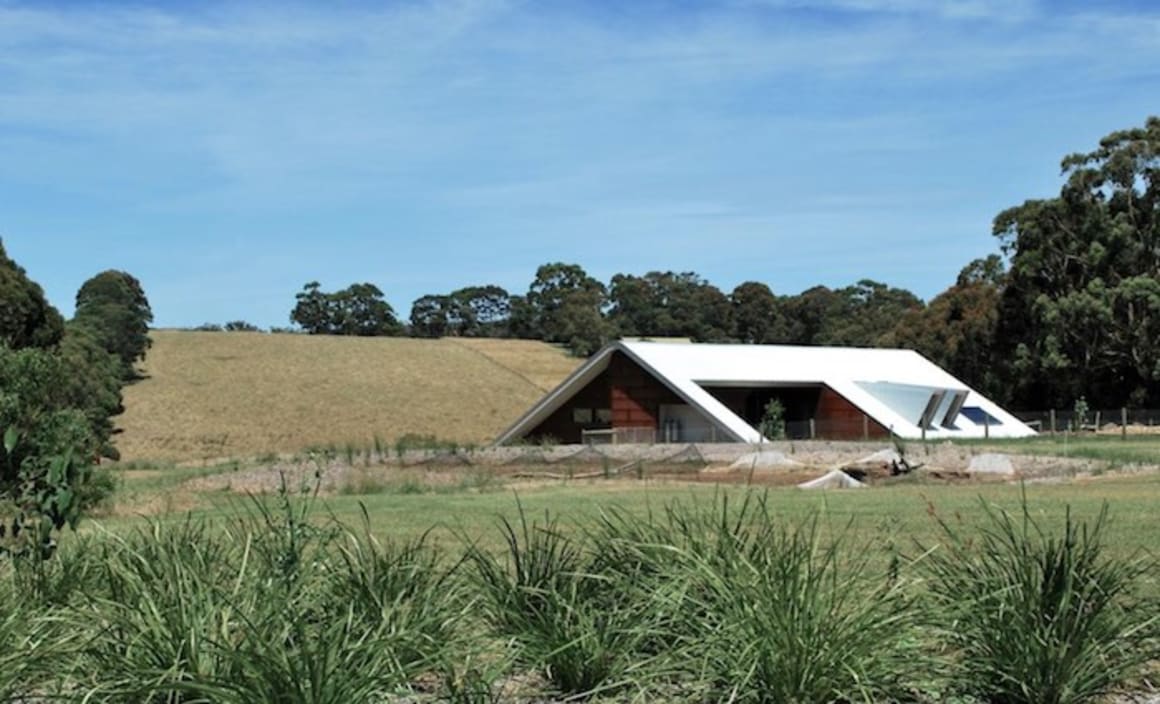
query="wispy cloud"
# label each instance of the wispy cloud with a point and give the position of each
(543, 125)
(1000, 10)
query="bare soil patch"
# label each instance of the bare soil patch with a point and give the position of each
(425, 471)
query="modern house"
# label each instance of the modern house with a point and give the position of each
(666, 392)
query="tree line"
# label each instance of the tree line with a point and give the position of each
(565, 305)
(1069, 307)
(60, 388)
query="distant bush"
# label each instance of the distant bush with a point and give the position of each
(241, 326)
(208, 327)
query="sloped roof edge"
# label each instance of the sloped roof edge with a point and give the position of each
(555, 398)
(691, 393)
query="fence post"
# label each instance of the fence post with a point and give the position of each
(1052, 413)
(1123, 423)
(1097, 421)
(813, 429)
(986, 427)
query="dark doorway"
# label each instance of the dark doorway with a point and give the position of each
(800, 403)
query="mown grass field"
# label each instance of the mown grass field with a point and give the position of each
(472, 500)
(215, 395)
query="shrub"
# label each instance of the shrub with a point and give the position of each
(773, 420)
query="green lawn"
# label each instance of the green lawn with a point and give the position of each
(901, 512)
(1134, 449)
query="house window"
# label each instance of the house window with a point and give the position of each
(582, 415)
(604, 415)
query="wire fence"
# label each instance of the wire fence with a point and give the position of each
(1122, 421)
(1117, 421)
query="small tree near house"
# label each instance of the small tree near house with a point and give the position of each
(773, 420)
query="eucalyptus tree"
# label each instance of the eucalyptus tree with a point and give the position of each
(1080, 314)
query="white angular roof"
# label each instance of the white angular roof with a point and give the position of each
(900, 389)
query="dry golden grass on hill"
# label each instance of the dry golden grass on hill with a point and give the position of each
(213, 395)
(542, 365)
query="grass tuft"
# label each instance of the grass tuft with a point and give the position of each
(1039, 615)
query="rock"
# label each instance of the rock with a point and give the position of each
(991, 463)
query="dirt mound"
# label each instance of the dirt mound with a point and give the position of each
(836, 479)
(764, 459)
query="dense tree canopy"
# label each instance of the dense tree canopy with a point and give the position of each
(565, 305)
(474, 311)
(863, 315)
(26, 318)
(481, 311)
(1080, 314)
(359, 309)
(757, 315)
(60, 386)
(113, 310)
(666, 304)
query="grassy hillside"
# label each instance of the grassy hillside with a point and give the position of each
(210, 395)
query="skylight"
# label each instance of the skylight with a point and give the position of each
(979, 417)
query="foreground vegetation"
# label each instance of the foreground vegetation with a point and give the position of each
(617, 592)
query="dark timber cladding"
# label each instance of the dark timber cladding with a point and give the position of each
(838, 419)
(623, 396)
(636, 395)
(584, 411)
(626, 396)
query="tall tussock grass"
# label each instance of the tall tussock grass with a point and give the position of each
(698, 601)
(271, 607)
(761, 609)
(1036, 615)
(579, 628)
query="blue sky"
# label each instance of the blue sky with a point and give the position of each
(227, 153)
